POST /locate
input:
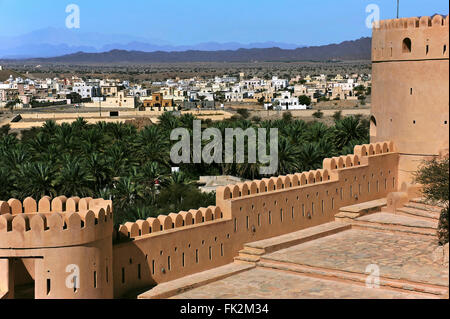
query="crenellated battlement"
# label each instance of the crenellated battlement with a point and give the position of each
(436, 21)
(140, 228)
(168, 222)
(267, 185)
(409, 39)
(56, 222)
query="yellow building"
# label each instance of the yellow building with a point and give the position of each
(158, 101)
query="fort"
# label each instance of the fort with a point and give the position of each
(39, 240)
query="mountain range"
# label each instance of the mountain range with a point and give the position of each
(51, 42)
(73, 46)
(348, 50)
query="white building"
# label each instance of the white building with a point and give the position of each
(85, 91)
(286, 102)
(279, 84)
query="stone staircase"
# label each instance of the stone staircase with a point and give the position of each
(425, 289)
(415, 218)
(252, 252)
(417, 208)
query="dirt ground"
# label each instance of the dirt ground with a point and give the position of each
(307, 115)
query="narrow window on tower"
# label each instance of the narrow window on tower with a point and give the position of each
(427, 49)
(406, 47)
(48, 286)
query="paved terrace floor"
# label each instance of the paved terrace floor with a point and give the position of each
(333, 266)
(261, 283)
(397, 256)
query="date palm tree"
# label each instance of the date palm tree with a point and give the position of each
(97, 167)
(348, 129)
(116, 161)
(287, 157)
(126, 192)
(168, 122)
(73, 179)
(153, 146)
(49, 127)
(35, 179)
(309, 157)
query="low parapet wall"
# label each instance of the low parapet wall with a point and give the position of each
(173, 246)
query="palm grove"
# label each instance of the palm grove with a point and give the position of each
(133, 167)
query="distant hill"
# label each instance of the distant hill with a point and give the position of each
(349, 50)
(50, 42)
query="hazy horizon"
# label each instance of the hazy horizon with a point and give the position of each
(181, 23)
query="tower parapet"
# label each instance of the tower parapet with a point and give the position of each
(53, 228)
(411, 39)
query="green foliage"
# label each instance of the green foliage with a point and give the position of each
(434, 177)
(4, 130)
(337, 116)
(360, 89)
(133, 168)
(443, 227)
(11, 104)
(349, 129)
(256, 119)
(244, 113)
(323, 99)
(304, 100)
(318, 114)
(287, 116)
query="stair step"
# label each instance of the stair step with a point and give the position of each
(252, 251)
(361, 209)
(419, 213)
(247, 258)
(421, 200)
(177, 286)
(352, 277)
(298, 237)
(424, 207)
(389, 222)
(398, 220)
(397, 230)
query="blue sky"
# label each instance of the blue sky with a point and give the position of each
(309, 22)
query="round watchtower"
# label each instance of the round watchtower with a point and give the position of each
(410, 94)
(56, 248)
